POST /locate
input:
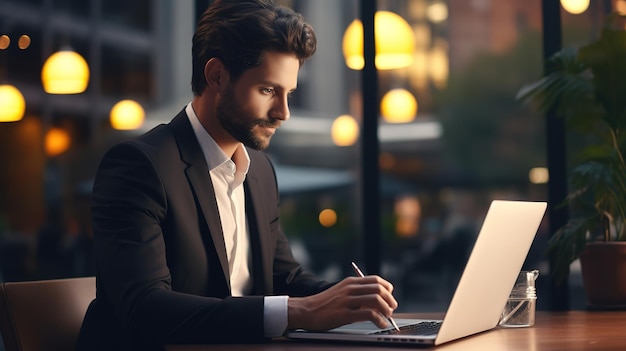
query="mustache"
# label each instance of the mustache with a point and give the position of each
(271, 122)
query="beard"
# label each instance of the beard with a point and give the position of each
(241, 125)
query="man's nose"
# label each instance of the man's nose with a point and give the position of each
(280, 110)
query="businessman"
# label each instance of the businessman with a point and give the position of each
(186, 225)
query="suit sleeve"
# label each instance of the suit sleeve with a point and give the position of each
(129, 206)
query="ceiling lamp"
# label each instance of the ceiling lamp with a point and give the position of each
(127, 115)
(65, 72)
(394, 42)
(575, 7)
(344, 131)
(12, 102)
(398, 106)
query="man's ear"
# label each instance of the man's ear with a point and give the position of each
(215, 74)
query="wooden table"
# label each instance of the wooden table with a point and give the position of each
(553, 331)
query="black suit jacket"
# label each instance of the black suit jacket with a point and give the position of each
(162, 270)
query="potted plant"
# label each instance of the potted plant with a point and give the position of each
(587, 87)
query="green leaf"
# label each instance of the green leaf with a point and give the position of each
(586, 87)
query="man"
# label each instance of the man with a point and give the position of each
(186, 225)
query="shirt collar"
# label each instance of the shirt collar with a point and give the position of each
(213, 154)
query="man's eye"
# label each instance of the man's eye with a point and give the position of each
(267, 90)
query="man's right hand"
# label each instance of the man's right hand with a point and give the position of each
(353, 299)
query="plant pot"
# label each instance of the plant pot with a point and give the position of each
(603, 266)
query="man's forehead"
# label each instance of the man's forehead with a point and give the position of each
(277, 69)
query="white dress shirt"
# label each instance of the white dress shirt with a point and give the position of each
(227, 176)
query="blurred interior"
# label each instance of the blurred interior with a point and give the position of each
(451, 136)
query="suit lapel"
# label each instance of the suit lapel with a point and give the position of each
(259, 235)
(200, 181)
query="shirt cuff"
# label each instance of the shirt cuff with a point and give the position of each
(275, 315)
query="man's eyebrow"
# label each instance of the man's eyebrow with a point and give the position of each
(277, 86)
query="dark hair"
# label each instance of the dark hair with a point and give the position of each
(238, 32)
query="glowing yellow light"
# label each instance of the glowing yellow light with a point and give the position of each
(408, 212)
(65, 72)
(398, 106)
(423, 35)
(344, 131)
(23, 42)
(439, 66)
(419, 71)
(575, 7)
(127, 115)
(437, 12)
(56, 141)
(12, 104)
(5, 41)
(328, 218)
(394, 42)
(539, 175)
(620, 6)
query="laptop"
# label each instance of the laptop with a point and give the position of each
(497, 257)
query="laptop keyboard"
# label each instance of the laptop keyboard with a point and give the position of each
(422, 328)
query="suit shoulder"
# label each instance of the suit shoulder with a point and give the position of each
(156, 146)
(163, 136)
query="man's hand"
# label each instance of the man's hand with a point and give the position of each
(351, 300)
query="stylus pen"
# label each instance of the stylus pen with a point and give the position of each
(360, 274)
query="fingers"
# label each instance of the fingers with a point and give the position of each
(374, 286)
(371, 302)
(353, 299)
(370, 315)
(311, 313)
(370, 298)
(371, 279)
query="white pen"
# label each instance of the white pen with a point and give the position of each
(360, 274)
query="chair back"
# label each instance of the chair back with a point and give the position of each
(45, 314)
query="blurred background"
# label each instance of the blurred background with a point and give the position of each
(449, 135)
